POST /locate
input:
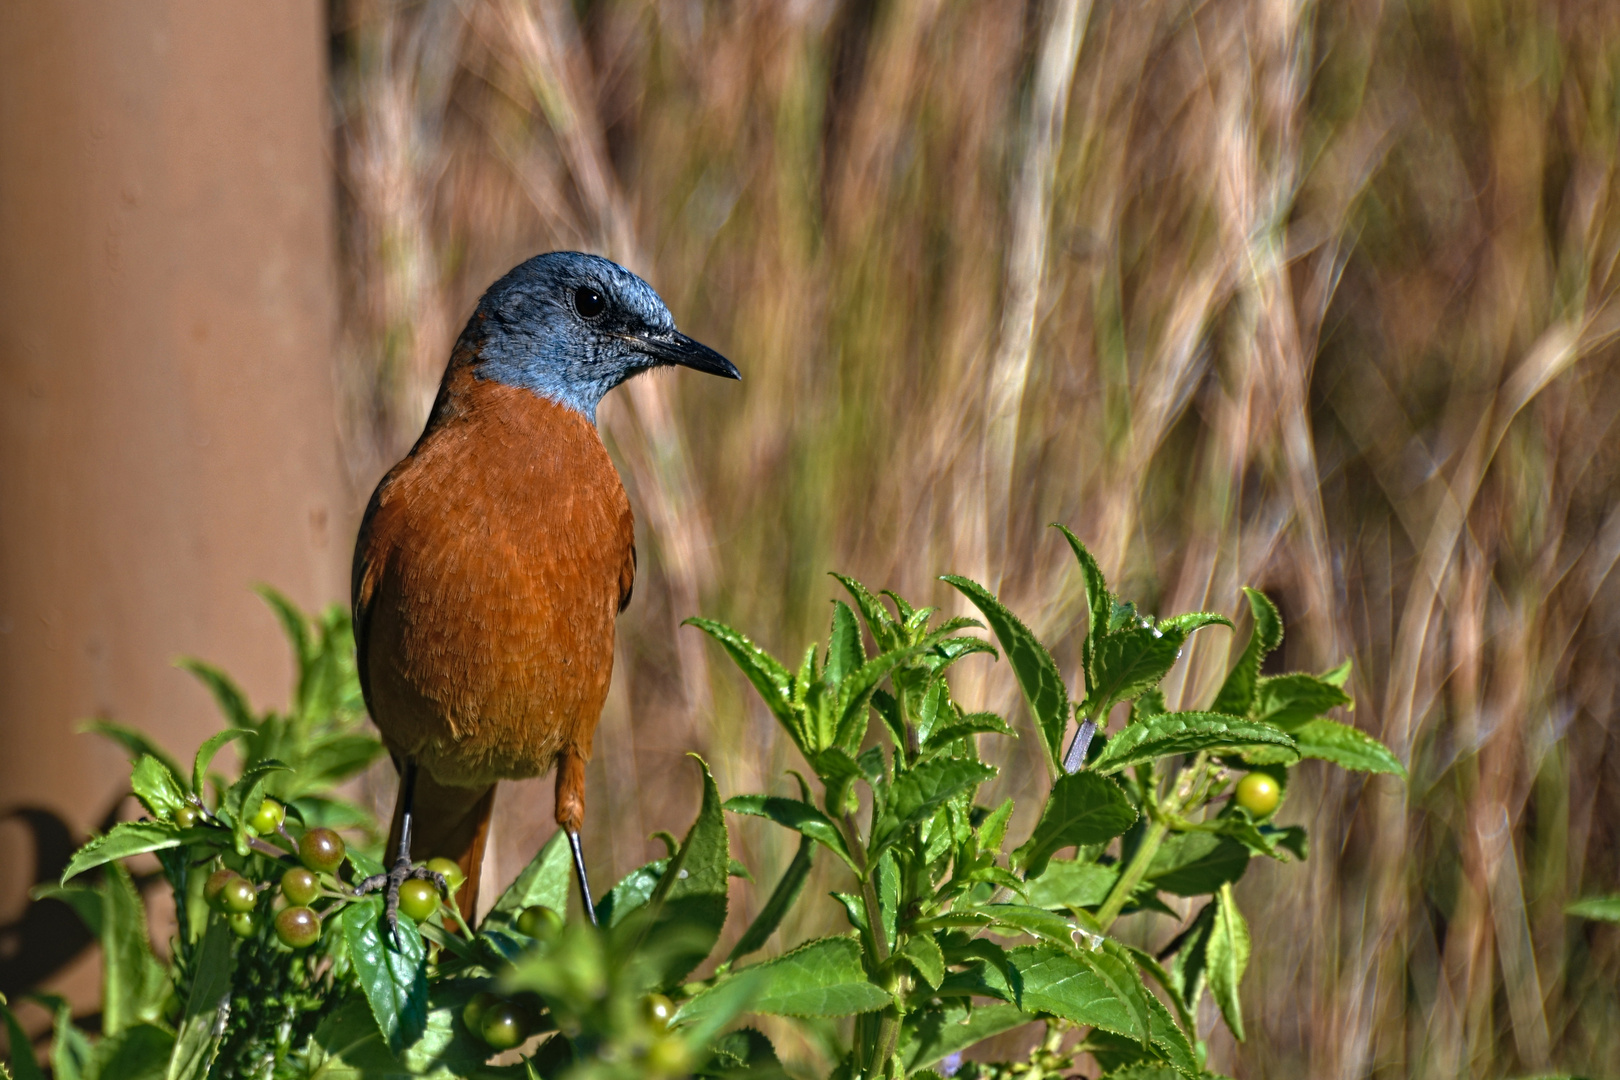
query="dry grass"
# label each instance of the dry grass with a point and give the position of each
(1320, 298)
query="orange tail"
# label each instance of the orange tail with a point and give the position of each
(448, 823)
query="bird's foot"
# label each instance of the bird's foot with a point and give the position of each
(389, 884)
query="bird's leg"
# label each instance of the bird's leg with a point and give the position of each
(402, 870)
(571, 816)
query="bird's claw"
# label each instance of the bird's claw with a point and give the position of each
(390, 883)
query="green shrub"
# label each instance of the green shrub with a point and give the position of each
(956, 934)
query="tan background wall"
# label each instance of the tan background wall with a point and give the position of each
(167, 319)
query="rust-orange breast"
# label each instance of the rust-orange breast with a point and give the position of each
(490, 568)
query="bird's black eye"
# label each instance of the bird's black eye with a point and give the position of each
(588, 302)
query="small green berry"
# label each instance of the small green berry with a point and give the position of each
(1258, 794)
(658, 1010)
(504, 1025)
(299, 886)
(270, 815)
(298, 927)
(539, 921)
(321, 850)
(418, 899)
(473, 1014)
(216, 885)
(239, 895)
(243, 924)
(186, 816)
(450, 871)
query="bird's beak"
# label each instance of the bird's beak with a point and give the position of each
(677, 348)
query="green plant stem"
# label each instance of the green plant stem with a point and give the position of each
(887, 1036)
(1162, 816)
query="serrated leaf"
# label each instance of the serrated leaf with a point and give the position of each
(1099, 600)
(845, 651)
(1196, 863)
(631, 893)
(330, 761)
(127, 838)
(1037, 673)
(139, 1052)
(773, 681)
(691, 896)
(1034, 921)
(820, 978)
(917, 792)
(1346, 747)
(198, 1035)
(546, 881)
(1292, 699)
(802, 817)
(993, 830)
(1071, 883)
(1063, 984)
(1193, 620)
(979, 723)
(391, 970)
(1236, 695)
(157, 787)
(1183, 733)
(133, 983)
(1605, 908)
(1128, 662)
(922, 952)
(938, 1033)
(206, 752)
(1228, 956)
(1083, 808)
(884, 630)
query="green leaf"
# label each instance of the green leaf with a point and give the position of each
(885, 632)
(1183, 733)
(631, 893)
(938, 1033)
(1071, 883)
(206, 752)
(140, 1052)
(391, 970)
(1193, 620)
(126, 839)
(1098, 599)
(135, 743)
(917, 792)
(744, 1054)
(1236, 695)
(691, 896)
(545, 881)
(201, 1024)
(1606, 908)
(978, 723)
(1068, 985)
(773, 681)
(227, 695)
(922, 952)
(1195, 863)
(781, 900)
(24, 1066)
(1290, 700)
(333, 760)
(820, 978)
(1034, 921)
(1128, 662)
(133, 983)
(1346, 747)
(794, 814)
(1084, 808)
(157, 787)
(1037, 673)
(845, 652)
(1228, 956)
(348, 1046)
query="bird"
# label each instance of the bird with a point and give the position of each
(492, 561)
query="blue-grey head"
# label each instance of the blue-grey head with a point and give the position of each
(571, 327)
